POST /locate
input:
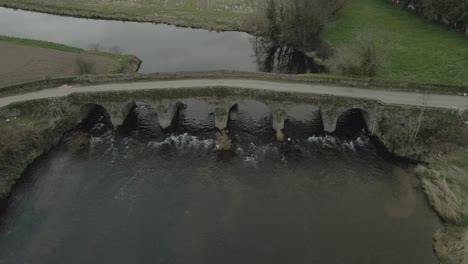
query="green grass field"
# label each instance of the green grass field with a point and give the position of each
(419, 50)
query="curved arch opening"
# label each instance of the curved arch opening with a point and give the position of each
(303, 122)
(142, 121)
(95, 119)
(194, 117)
(251, 121)
(352, 123)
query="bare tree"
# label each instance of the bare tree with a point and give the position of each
(297, 23)
(365, 57)
(424, 102)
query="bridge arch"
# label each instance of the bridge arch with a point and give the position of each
(353, 121)
(95, 119)
(249, 118)
(140, 120)
(303, 121)
(251, 110)
(194, 116)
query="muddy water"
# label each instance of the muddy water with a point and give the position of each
(175, 199)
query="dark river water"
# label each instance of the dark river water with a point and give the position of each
(143, 195)
(162, 48)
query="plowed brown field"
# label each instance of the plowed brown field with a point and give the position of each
(22, 63)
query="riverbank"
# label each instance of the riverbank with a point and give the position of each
(22, 141)
(445, 182)
(26, 60)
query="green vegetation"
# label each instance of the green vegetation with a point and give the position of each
(217, 15)
(365, 57)
(42, 44)
(420, 50)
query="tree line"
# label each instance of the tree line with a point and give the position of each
(296, 23)
(452, 13)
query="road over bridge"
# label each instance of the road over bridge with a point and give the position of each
(385, 96)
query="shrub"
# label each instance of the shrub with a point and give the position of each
(364, 58)
(85, 66)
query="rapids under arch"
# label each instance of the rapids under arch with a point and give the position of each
(303, 121)
(352, 122)
(95, 119)
(141, 120)
(251, 118)
(193, 116)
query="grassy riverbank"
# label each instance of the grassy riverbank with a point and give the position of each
(30, 60)
(418, 50)
(445, 183)
(215, 15)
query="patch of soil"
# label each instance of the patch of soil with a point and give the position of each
(22, 63)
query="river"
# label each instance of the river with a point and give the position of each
(144, 195)
(162, 48)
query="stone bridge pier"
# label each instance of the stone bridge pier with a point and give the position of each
(280, 113)
(221, 110)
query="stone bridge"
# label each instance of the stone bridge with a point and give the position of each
(221, 108)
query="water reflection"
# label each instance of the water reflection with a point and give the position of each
(162, 48)
(280, 58)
